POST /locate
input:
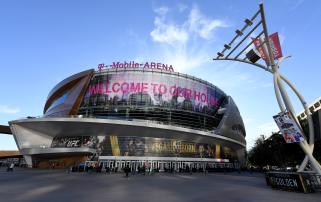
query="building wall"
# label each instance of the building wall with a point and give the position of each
(126, 107)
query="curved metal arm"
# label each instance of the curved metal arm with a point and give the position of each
(247, 62)
(282, 59)
(277, 93)
(306, 109)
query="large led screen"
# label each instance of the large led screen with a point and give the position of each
(142, 146)
(153, 89)
(147, 146)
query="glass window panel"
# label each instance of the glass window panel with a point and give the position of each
(156, 96)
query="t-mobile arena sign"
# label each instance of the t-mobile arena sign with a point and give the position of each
(133, 64)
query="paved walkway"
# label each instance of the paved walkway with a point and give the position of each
(57, 185)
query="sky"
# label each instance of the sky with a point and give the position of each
(43, 42)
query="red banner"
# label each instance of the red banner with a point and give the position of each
(259, 47)
(275, 46)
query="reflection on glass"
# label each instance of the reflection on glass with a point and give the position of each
(165, 98)
(58, 101)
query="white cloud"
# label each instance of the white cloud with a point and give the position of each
(8, 110)
(196, 24)
(247, 121)
(182, 61)
(161, 10)
(202, 25)
(168, 33)
(185, 45)
(268, 128)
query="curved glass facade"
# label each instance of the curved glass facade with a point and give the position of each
(168, 98)
(59, 100)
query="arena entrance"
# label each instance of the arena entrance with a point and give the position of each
(162, 164)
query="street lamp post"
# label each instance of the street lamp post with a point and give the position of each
(278, 79)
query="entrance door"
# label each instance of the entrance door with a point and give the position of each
(122, 165)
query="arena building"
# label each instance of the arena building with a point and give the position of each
(134, 114)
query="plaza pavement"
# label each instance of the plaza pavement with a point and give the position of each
(59, 186)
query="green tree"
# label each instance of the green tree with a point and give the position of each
(274, 151)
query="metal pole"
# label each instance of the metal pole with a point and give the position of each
(306, 109)
(315, 164)
(266, 35)
(287, 100)
(277, 93)
(304, 145)
(309, 118)
(279, 88)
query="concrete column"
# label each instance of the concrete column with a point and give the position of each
(28, 160)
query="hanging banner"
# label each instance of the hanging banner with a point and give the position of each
(290, 131)
(258, 43)
(275, 45)
(262, 49)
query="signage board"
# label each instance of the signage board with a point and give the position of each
(286, 181)
(133, 64)
(156, 89)
(288, 127)
(141, 146)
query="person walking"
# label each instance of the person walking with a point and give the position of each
(10, 168)
(127, 170)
